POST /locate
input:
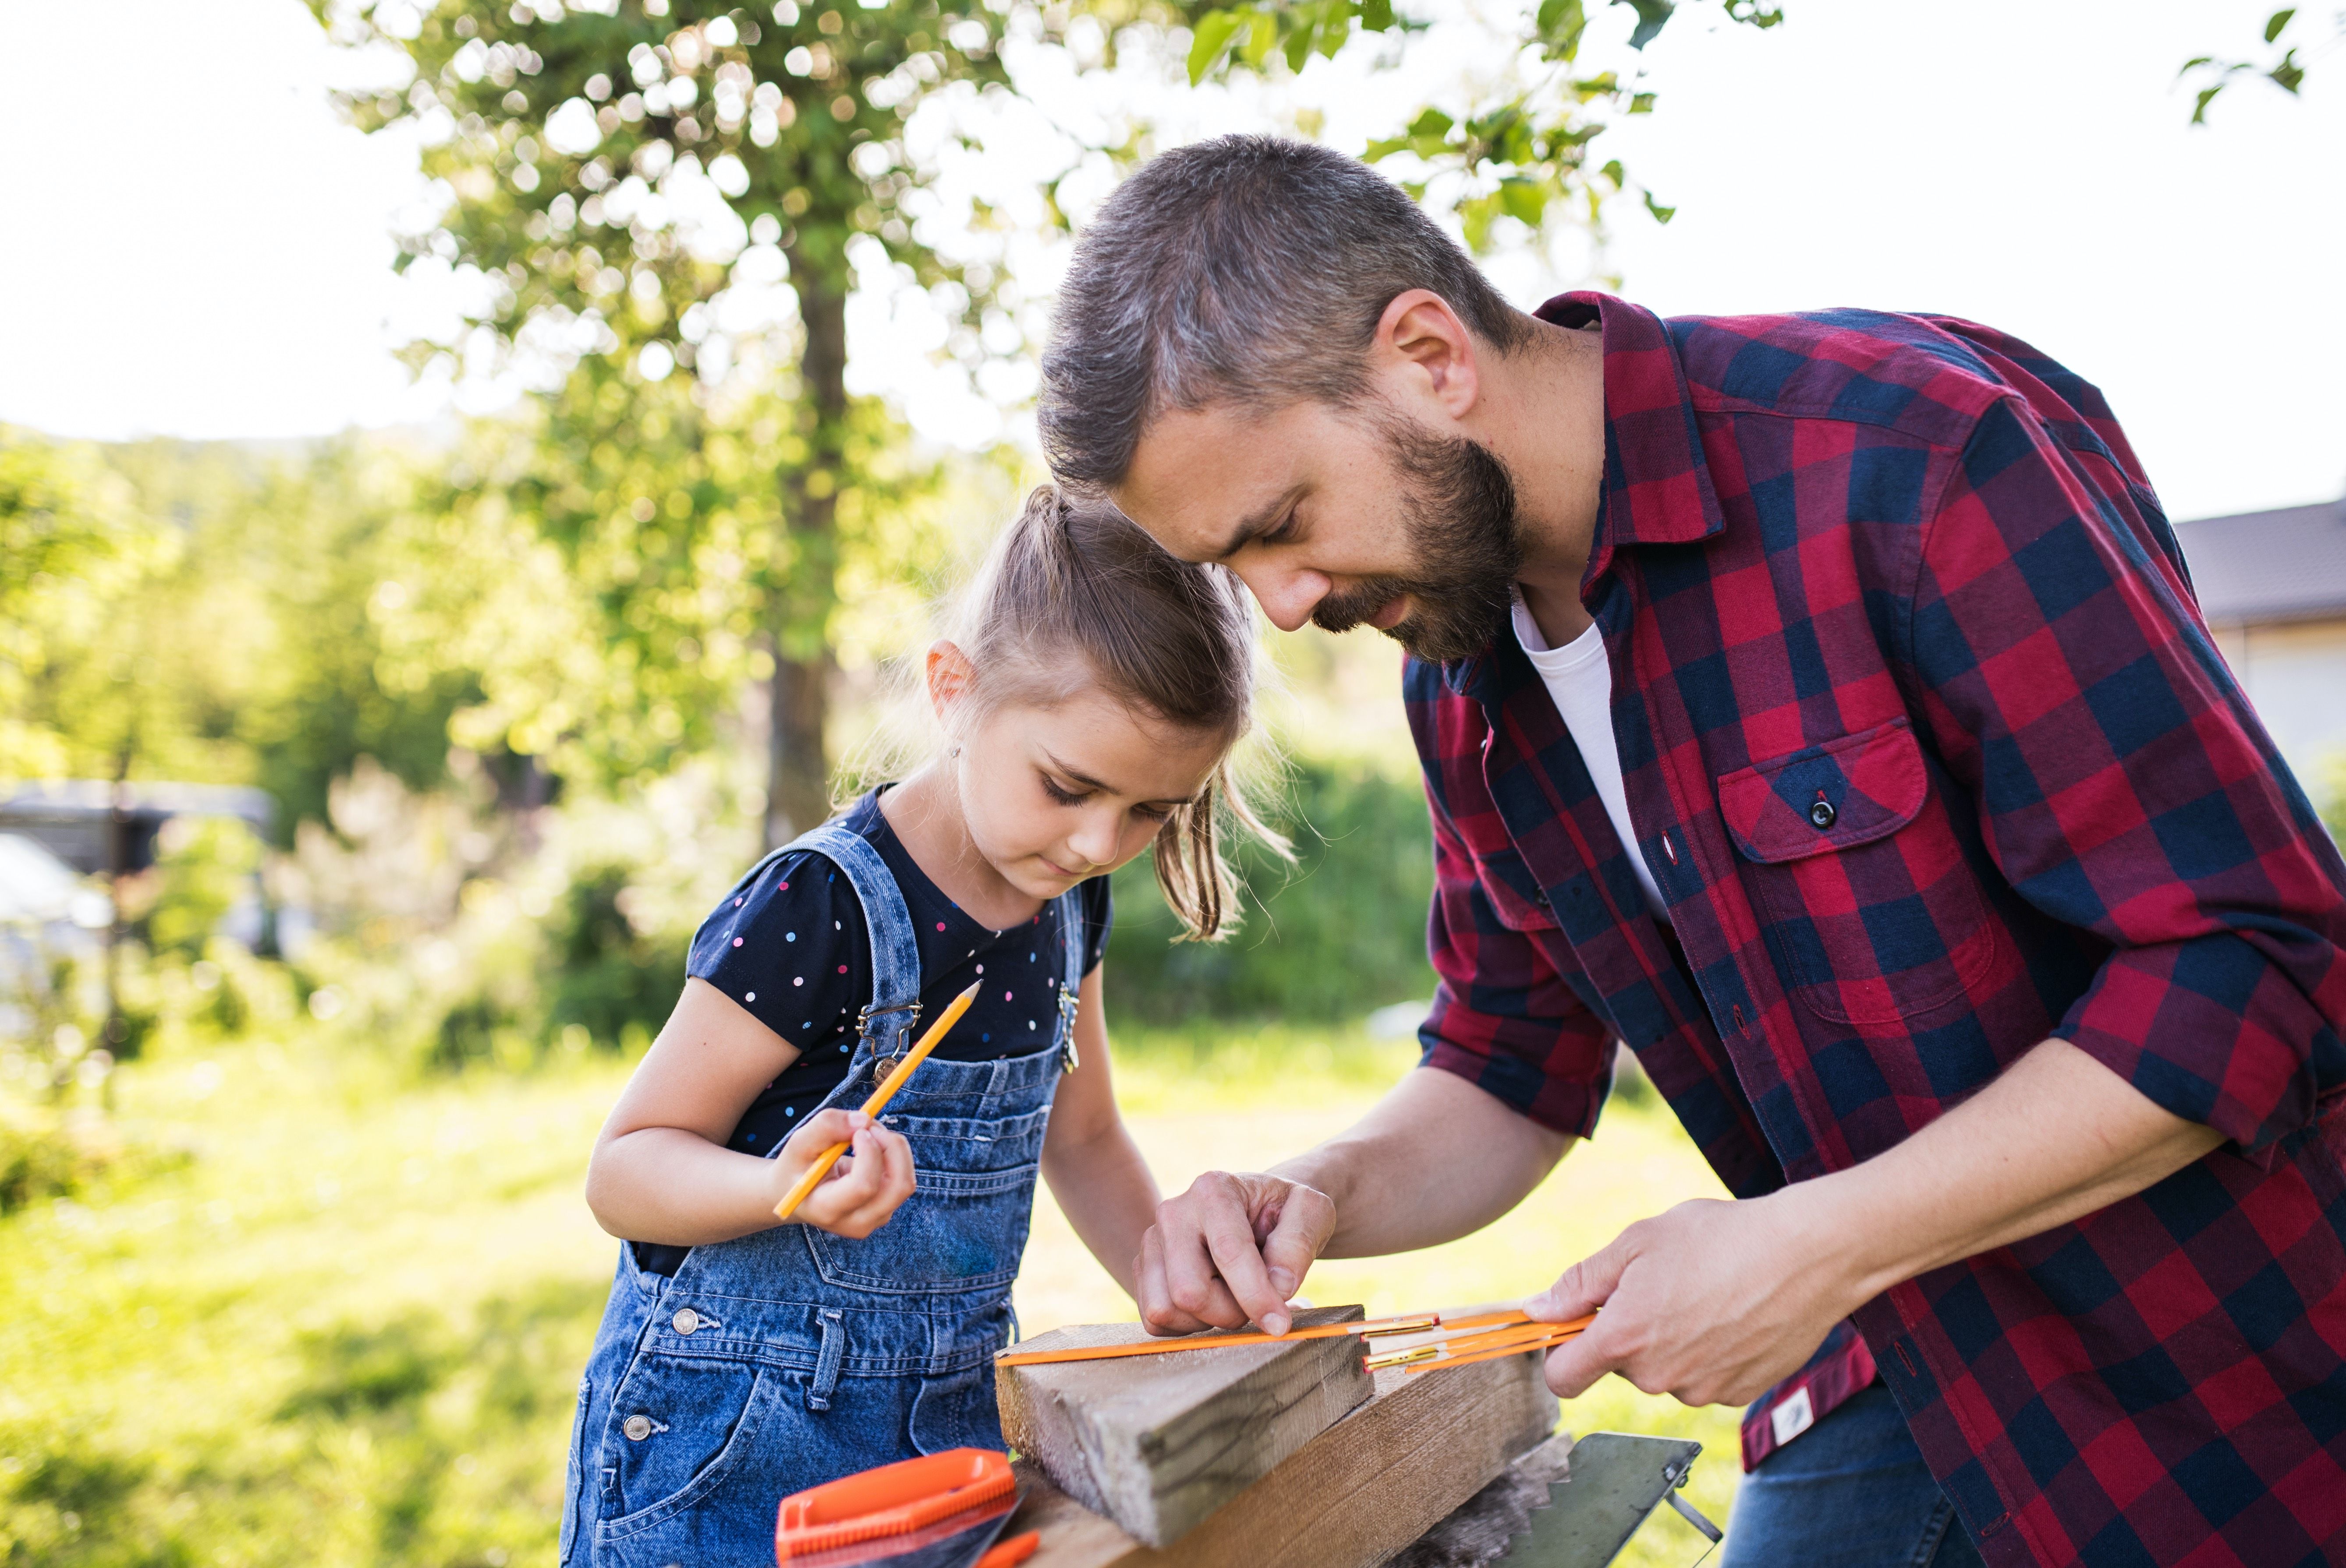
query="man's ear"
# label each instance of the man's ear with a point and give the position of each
(1427, 353)
(951, 680)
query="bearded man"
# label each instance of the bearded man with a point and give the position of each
(1817, 703)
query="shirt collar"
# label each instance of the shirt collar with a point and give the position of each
(1657, 485)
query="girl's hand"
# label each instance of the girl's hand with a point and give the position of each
(869, 1184)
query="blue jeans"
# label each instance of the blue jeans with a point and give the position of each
(1849, 1492)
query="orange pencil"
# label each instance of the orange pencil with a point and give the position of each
(879, 1100)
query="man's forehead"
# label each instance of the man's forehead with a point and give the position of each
(1196, 474)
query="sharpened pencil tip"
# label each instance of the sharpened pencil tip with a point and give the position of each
(970, 994)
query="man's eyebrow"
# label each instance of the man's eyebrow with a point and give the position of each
(1256, 525)
(1076, 775)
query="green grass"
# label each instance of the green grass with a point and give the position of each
(347, 1330)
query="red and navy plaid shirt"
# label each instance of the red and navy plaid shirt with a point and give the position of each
(1932, 757)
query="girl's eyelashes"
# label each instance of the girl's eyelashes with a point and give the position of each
(1064, 797)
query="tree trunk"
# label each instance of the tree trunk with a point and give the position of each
(798, 773)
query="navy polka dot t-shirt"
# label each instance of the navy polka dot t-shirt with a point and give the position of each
(788, 944)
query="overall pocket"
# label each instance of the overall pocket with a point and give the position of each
(682, 1424)
(961, 1231)
(574, 1502)
(1871, 903)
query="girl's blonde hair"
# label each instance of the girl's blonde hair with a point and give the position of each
(1074, 595)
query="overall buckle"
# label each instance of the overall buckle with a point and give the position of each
(1070, 1004)
(883, 1066)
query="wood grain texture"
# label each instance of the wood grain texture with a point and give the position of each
(1476, 1533)
(1157, 1443)
(1360, 1491)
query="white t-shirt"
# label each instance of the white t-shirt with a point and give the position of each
(1581, 683)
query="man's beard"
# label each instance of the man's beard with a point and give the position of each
(1459, 503)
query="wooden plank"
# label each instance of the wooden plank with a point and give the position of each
(1159, 1442)
(1478, 1532)
(1356, 1494)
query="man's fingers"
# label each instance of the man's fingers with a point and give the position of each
(1228, 1236)
(1158, 1310)
(1582, 1288)
(1575, 1366)
(1306, 1220)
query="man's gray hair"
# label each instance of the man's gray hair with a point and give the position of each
(1248, 269)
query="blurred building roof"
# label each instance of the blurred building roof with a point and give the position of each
(74, 818)
(2287, 565)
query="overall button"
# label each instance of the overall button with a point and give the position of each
(1823, 814)
(637, 1428)
(686, 1320)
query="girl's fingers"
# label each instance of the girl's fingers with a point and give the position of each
(878, 1179)
(824, 1128)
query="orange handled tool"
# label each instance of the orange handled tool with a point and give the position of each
(940, 1511)
(879, 1100)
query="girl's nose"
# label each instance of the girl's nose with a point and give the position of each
(1095, 838)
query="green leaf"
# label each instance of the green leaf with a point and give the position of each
(1524, 200)
(2276, 22)
(1214, 30)
(1261, 38)
(1661, 214)
(2207, 97)
(1641, 104)
(1376, 15)
(1559, 26)
(1652, 16)
(1614, 172)
(1299, 46)
(2287, 74)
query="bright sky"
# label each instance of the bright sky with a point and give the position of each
(197, 246)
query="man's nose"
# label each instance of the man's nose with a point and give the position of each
(1288, 595)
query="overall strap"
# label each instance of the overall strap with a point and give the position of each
(884, 1027)
(1074, 941)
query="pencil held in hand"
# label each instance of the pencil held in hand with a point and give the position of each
(879, 1100)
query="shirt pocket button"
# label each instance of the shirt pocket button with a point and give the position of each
(637, 1428)
(1823, 814)
(686, 1320)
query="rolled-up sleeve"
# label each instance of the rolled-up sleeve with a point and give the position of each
(1503, 1018)
(2125, 787)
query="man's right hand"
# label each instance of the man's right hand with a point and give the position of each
(1232, 1249)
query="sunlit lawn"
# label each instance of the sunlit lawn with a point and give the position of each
(349, 1330)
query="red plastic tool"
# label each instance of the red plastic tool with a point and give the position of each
(941, 1511)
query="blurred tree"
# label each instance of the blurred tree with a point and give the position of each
(636, 182)
(1525, 152)
(2283, 70)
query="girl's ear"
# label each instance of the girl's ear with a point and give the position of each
(952, 679)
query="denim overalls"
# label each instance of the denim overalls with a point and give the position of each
(792, 1357)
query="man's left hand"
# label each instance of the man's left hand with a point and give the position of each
(1713, 1303)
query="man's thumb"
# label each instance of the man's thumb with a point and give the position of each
(1579, 1290)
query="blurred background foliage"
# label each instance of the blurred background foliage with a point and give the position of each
(298, 1153)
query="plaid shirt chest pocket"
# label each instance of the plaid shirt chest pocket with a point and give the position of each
(1876, 912)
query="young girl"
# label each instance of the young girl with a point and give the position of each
(1089, 706)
